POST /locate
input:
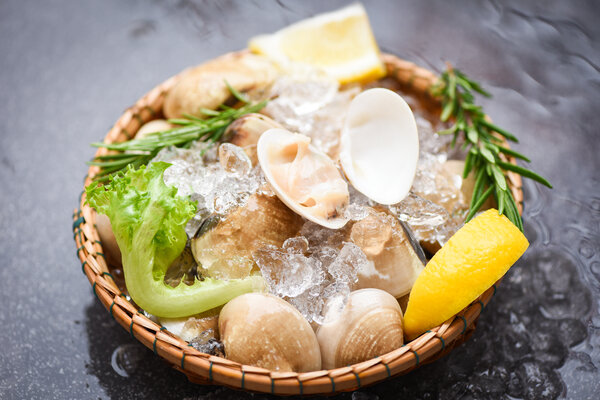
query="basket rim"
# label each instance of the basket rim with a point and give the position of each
(206, 369)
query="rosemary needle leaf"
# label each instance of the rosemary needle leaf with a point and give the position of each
(447, 131)
(499, 130)
(478, 187)
(499, 178)
(208, 112)
(484, 141)
(137, 152)
(479, 203)
(237, 94)
(524, 172)
(106, 164)
(472, 134)
(447, 111)
(194, 118)
(180, 121)
(512, 205)
(468, 164)
(511, 152)
(500, 198)
(487, 154)
(115, 156)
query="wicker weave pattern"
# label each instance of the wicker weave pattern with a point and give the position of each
(206, 369)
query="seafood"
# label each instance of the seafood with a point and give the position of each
(245, 131)
(396, 260)
(156, 125)
(379, 146)
(263, 330)
(205, 86)
(305, 179)
(224, 247)
(370, 324)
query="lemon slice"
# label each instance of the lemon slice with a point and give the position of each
(340, 42)
(474, 258)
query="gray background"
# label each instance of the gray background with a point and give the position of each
(68, 69)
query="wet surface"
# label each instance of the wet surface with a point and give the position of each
(68, 69)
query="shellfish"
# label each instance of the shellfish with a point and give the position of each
(205, 86)
(265, 331)
(369, 325)
(303, 178)
(396, 259)
(224, 248)
(379, 146)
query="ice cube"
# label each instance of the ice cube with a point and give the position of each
(234, 159)
(356, 212)
(421, 214)
(217, 187)
(308, 102)
(344, 269)
(203, 325)
(429, 222)
(207, 343)
(429, 141)
(319, 236)
(309, 303)
(288, 274)
(300, 94)
(298, 245)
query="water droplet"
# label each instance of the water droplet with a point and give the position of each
(126, 359)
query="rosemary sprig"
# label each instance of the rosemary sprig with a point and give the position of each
(486, 157)
(138, 152)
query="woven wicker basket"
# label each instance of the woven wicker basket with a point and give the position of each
(207, 369)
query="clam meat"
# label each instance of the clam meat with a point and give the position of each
(304, 178)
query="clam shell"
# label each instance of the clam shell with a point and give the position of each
(304, 178)
(265, 331)
(204, 86)
(396, 259)
(369, 325)
(379, 146)
(224, 248)
(245, 131)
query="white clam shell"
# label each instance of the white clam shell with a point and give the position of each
(270, 151)
(379, 146)
(369, 324)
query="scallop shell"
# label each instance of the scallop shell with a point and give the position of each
(303, 178)
(379, 146)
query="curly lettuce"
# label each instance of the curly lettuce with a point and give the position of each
(148, 220)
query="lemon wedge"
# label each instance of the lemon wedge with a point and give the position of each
(341, 43)
(475, 257)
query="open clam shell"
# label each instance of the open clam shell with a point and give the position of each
(303, 178)
(379, 146)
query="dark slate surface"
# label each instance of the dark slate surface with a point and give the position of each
(69, 68)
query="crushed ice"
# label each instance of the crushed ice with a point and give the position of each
(218, 187)
(308, 270)
(320, 263)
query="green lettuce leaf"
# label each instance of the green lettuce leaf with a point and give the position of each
(148, 220)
